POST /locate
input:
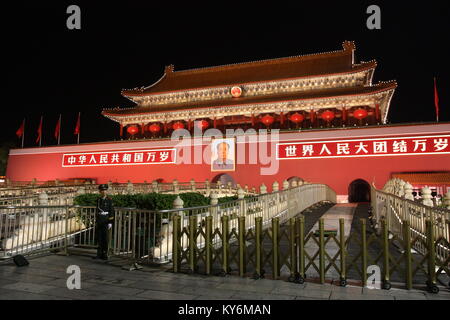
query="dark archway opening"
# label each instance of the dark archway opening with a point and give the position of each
(359, 191)
(224, 178)
(296, 179)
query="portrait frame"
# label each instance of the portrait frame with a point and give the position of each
(231, 142)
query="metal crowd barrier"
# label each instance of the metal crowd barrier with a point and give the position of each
(139, 235)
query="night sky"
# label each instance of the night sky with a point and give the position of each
(124, 44)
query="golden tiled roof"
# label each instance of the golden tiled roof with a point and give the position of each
(424, 177)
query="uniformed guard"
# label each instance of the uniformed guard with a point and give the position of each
(104, 220)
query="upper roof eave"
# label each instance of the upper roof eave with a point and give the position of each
(381, 87)
(348, 48)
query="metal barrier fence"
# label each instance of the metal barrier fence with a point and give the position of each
(318, 255)
(29, 230)
(64, 198)
(140, 235)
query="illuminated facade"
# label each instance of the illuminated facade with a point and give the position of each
(332, 122)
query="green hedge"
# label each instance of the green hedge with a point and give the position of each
(147, 201)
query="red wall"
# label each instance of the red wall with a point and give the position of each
(45, 163)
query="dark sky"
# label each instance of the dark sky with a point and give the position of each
(124, 44)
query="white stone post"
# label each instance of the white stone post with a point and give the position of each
(219, 187)
(176, 190)
(193, 185)
(426, 197)
(275, 186)
(407, 190)
(155, 186)
(285, 185)
(263, 189)
(447, 200)
(230, 190)
(130, 187)
(43, 199)
(208, 187)
(401, 190)
(214, 200)
(81, 191)
(178, 203)
(241, 195)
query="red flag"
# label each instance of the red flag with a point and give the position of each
(436, 100)
(58, 127)
(77, 127)
(39, 132)
(20, 131)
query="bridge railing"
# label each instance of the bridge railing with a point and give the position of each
(28, 195)
(396, 210)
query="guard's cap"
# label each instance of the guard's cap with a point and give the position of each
(103, 187)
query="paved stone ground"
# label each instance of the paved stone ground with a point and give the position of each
(45, 279)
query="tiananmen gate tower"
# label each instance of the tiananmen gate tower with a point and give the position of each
(316, 117)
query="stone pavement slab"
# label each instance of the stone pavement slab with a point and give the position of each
(28, 287)
(110, 282)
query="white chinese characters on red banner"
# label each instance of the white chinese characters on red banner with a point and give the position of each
(364, 147)
(111, 158)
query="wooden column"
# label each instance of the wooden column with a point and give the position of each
(312, 117)
(344, 116)
(377, 113)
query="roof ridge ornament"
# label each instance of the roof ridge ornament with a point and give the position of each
(169, 69)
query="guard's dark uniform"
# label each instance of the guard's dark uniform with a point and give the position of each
(104, 216)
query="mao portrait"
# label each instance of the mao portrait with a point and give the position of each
(223, 155)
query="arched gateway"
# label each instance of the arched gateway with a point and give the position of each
(224, 179)
(359, 191)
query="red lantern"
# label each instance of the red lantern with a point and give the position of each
(154, 128)
(297, 118)
(267, 120)
(360, 114)
(178, 125)
(132, 130)
(203, 124)
(328, 115)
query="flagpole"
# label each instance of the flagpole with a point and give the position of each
(23, 133)
(436, 104)
(79, 118)
(40, 139)
(59, 129)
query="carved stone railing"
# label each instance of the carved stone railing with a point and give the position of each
(399, 208)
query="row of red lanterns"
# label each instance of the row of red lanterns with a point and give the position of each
(155, 128)
(326, 115)
(267, 120)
